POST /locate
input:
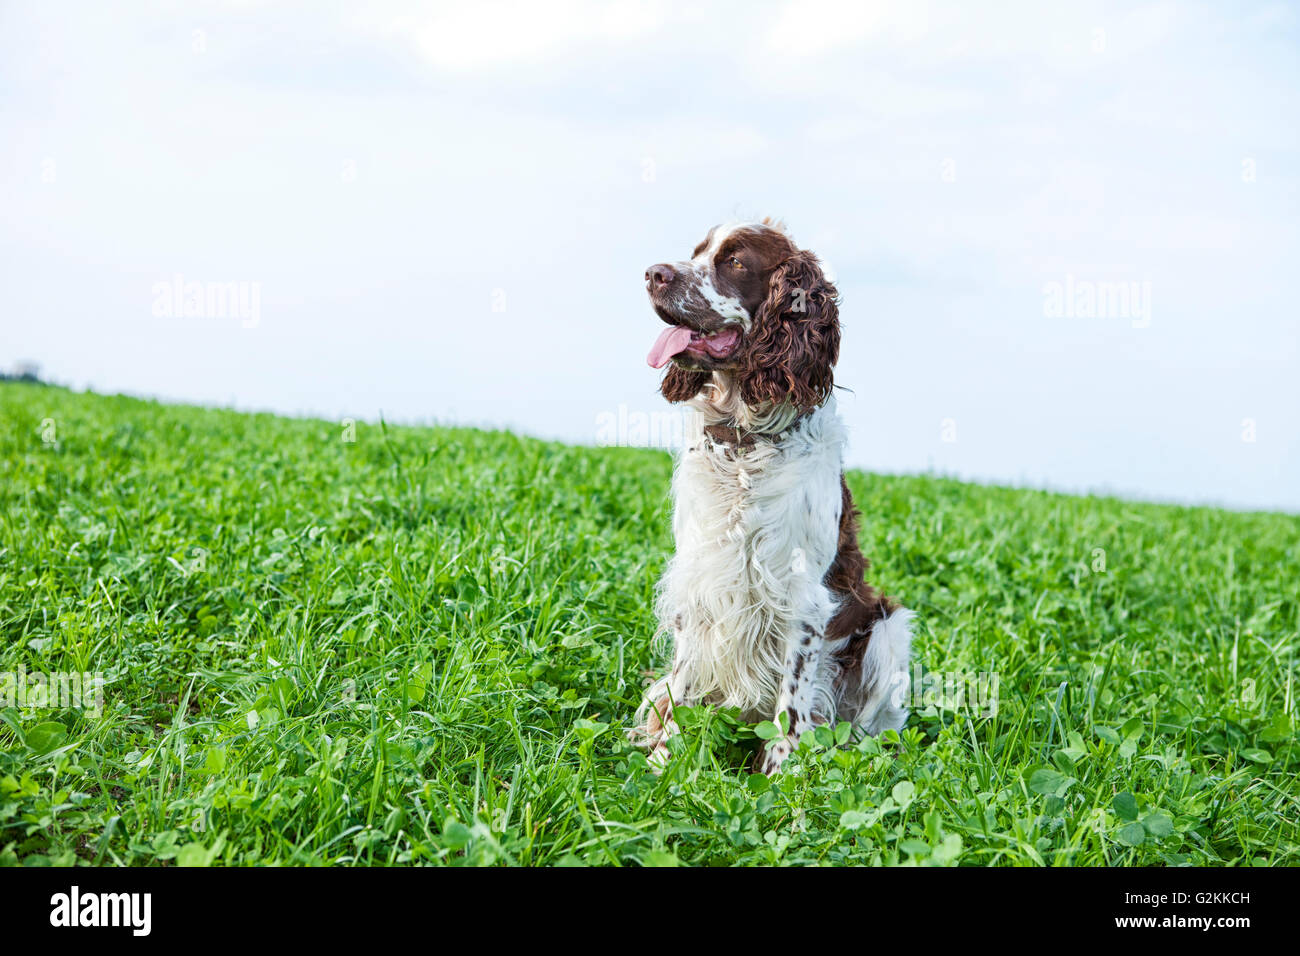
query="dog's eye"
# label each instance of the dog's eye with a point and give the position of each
(735, 263)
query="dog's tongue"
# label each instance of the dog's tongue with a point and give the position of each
(671, 341)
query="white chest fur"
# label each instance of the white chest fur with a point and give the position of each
(756, 531)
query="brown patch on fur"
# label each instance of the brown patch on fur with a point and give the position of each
(681, 384)
(662, 710)
(863, 605)
(791, 350)
(728, 435)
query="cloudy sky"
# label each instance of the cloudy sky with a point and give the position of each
(1066, 235)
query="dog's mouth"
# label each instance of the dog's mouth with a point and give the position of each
(677, 339)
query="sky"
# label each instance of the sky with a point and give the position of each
(1066, 236)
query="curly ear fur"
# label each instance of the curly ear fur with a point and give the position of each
(791, 353)
(681, 384)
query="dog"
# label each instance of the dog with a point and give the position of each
(765, 596)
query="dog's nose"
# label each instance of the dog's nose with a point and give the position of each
(660, 275)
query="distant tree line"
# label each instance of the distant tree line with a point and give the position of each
(22, 372)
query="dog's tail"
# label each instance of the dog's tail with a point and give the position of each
(885, 680)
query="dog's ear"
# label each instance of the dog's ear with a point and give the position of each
(681, 384)
(795, 338)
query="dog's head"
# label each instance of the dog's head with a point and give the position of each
(751, 303)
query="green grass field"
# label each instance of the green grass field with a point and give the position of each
(422, 646)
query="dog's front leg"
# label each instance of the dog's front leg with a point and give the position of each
(797, 699)
(656, 722)
(660, 725)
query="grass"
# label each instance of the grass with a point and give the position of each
(422, 646)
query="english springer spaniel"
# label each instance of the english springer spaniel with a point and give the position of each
(765, 597)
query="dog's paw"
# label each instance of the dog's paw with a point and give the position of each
(772, 756)
(659, 757)
(653, 738)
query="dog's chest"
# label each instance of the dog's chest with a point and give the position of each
(724, 494)
(756, 530)
(756, 524)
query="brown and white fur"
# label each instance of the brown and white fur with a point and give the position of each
(765, 597)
